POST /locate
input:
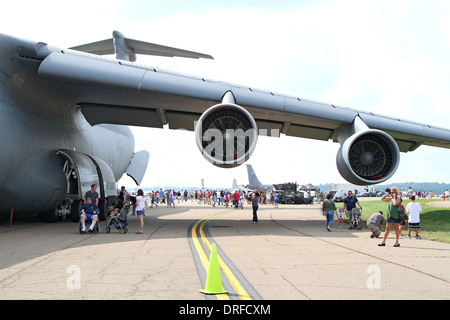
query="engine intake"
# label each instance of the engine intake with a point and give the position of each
(368, 157)
(226, 134)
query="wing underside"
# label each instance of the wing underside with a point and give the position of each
(121, 92)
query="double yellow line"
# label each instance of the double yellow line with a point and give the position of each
(200, 225)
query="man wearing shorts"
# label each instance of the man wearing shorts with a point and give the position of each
(89, 211)
(350, 202)
(414, 209)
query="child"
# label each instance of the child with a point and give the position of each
(414, 210)
(153, 200)
(340, 216)
(241, 201)
(214, 198)
(227, 199)
(356, 221)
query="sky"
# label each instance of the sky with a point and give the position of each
(388, 57)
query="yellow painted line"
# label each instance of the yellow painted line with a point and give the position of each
(243, 295)
(201, 253)
(203, 258)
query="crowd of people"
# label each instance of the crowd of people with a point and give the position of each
(424, 194)
(226, 198)
(395, 210)
(239, 198)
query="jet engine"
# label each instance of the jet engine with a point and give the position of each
(226, 133)
(368, 157)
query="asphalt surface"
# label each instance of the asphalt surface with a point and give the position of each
(288, 255)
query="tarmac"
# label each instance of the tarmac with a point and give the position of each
(442, 204)
(287, 255)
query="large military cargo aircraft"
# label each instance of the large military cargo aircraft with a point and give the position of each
(64, 112)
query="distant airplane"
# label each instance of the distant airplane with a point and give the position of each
(235, 186)
(254, 183)
(63, 114)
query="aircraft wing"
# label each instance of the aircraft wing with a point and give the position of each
(121, 92)
(108, 87)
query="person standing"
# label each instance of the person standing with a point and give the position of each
(227, 199)
(350, 202)
(161, 195)
(170, 199)
(394, 207)
(241, 199)
(409, 192)
(141, 203)
(157, 198)
(123, 195)
(255, 202)
(132, 199)
(214, 198)
(275, 200)
(306, 197)
(236, 199)
(329, 210)
(414, 209)
(340, 215)
(92, 194)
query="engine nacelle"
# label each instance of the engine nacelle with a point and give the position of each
(226, 134)
(368, 157)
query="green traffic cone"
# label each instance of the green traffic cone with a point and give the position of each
(213, 278)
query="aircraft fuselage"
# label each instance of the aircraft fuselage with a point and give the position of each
(37, 119)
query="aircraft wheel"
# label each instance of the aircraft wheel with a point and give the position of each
(50, 216)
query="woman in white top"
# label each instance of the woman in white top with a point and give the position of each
(141, 203)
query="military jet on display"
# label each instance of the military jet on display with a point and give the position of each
(254, 183)
(64, 112)
(235, 186)
(240, 187)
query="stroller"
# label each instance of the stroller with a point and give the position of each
(355, 222)
(119, 220)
